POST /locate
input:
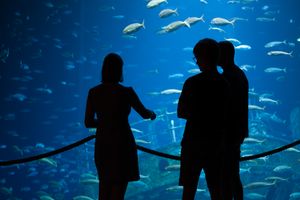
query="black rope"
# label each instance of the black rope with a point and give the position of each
(144, 149)
(48, 154)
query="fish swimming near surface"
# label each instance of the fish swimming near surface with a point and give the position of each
(134, 27)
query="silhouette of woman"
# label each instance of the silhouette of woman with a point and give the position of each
(107, 109)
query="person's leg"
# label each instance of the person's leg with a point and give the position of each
(189, 192)
(118, 191)
(105, 190)
(238, 193)
(213, 175)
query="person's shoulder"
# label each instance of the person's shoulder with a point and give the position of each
(95, 88)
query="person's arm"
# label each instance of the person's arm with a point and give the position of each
(183, 103)
(139, 107)
(90, 121)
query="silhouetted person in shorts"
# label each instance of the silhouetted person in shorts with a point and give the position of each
(107, 109)
(237, 121)
(203, 103)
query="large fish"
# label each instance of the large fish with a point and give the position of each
(154, 3)
(174, 26)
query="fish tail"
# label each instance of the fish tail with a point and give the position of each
(143, 24)
(290, 54)
(176, 12)
(284, 69)
(202, 18)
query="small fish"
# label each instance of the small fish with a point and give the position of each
(268, 100)
(274, 43)
(89, 181)
(218, 21)
(255, 185)
(154, 3)
(282, 168)
(167, 12)
(233, 40)
(247, 67)
(171, 91)
(174, 26)
(216, 29)
(265, 19)
(172, 167)
(132, 28)
(280, 53)
(194, 71)
(82, 197)
(255, 107)
(243, 47)
(275, 70)
(193, 20)
(203, 1)
(175, 76)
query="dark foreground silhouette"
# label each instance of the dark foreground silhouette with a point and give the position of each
(107, 109)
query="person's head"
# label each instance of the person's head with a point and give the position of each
(112, 69)
(206, 52)
(226, 58)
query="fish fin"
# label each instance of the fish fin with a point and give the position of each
(290, 54)
(187, 24)
(143, 24)
(284, 69)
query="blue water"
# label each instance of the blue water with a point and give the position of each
(51, 54)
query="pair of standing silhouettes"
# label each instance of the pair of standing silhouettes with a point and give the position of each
(210, 141)
(216, 109)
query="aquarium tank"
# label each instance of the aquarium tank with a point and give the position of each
(51, 53)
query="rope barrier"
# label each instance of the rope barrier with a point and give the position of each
(141, 148)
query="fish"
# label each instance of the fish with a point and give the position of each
(134, 27)
(256, 185)
(82, 197)
(295, 195)
(274, 43)
(253, 140)
(274, 70)
(171, 91)
(204, 1)
(268, 100)
(194, 71)
(216, 29)
(255, 107)
(174, 26)
(46, 197)
(154, 3)
(49, 161)
(247, 67)
(280, 53)
(167, 12)
(243, 47)
(179, 75)
(233, 40)
(282, 168)
(172, 167)
(193, 20)
(218, 21)
(89, 181)
(265, 19)
(139, 141)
